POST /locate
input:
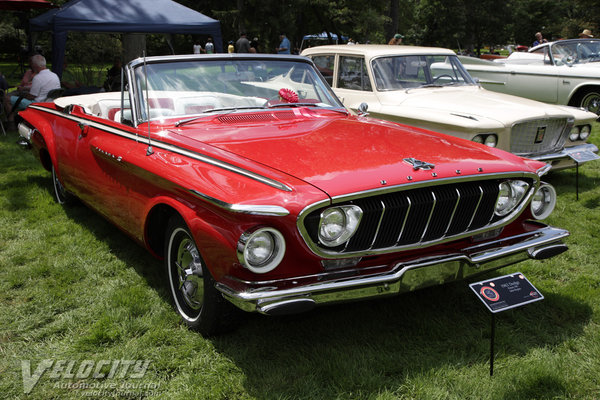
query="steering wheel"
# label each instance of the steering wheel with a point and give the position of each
(435, 79)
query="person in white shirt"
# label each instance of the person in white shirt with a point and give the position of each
(43, 82)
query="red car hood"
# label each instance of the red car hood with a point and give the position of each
(343, 155)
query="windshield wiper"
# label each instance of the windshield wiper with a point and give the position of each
(185, 121)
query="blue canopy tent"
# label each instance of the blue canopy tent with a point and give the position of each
(123, 16)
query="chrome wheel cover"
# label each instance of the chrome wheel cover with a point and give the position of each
(59, 189)
(591, 102)
(186, 274)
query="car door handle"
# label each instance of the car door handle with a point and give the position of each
(84, 129)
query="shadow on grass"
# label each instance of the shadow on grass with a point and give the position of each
(341, 347)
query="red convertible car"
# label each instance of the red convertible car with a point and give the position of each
(261, 192)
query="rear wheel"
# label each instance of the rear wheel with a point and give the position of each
(60, 193)
(191, 285)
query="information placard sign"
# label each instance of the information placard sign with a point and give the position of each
(582, 156)
(506, 292)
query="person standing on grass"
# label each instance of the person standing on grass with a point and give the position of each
(284, 46)
(243, 44)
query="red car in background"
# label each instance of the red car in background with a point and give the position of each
(261, 192)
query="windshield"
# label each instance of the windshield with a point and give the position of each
(195, 87)
(404, 72)
(579, 51)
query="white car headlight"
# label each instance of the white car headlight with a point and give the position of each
(510, 195)
(585, 132)
(338, 224)
(478, 139)
(543, 201)
(262, 250)
(491, 140)
(574, 135)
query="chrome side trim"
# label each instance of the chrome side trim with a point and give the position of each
(544, 170)
(175, 149)
(405, 276)
(251, 209)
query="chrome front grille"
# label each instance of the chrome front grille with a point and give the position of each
(539, 136)
(416, 217)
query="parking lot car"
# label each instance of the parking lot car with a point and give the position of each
(429, 88)
(262, 193)
(562, 72)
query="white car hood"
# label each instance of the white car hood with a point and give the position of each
(472, 104)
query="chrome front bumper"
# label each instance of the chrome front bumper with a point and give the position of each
(563, 159)
(303, 293)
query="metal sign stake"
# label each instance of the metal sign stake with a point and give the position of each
(577, 179)
(492, 339)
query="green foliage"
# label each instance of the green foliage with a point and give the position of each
(73, 287)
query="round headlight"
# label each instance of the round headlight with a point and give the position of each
(262, 250)
(585, 132)
(503, 204)
(478, 139)
(338, 224)
(543, 201)
(491, 140)
(333, 224)
(574, 135)
(510, 195)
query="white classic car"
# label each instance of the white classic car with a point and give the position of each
(563, 72)
(429, 88)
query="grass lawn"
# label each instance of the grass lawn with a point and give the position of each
(74, 288)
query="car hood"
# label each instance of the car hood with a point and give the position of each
(475, 105)
(341, 155)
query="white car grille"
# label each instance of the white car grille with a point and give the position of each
(539, 136)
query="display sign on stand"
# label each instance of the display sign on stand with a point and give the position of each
(501, 294)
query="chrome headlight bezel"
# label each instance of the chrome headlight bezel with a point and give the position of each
(267, 240)
(338, 224)
(510, 194)
(543, 201)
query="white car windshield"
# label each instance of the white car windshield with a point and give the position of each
(192, 87)
(413, 71)
(577, 51)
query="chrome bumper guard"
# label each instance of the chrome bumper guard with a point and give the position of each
(333, 287)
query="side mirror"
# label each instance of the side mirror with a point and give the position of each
(363, 109)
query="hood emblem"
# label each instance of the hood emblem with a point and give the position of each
(418, 164)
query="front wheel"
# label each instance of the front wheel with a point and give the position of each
(191, 285)
(590, 100)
